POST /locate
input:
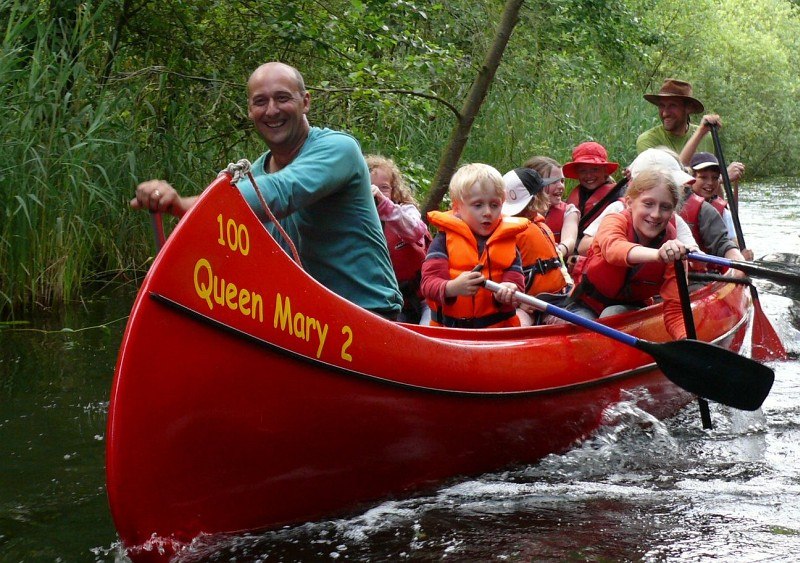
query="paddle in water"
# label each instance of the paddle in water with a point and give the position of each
(704, 369)
(688, 323)
(766, 344)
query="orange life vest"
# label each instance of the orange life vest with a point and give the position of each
(499, 253)
(540, 262)
(604, 284)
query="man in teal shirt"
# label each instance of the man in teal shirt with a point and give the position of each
(317, 183)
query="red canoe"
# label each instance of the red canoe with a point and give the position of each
(247, 396)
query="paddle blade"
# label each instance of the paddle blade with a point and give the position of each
(766, 344)
(712, 372)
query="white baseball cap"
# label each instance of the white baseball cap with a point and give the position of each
(659, 159)
(521, 185)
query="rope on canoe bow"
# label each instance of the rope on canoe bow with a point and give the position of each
(237, 171)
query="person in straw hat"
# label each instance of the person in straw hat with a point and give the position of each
(676, 103)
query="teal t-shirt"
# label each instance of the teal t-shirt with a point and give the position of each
(659, 137)
(324, 201)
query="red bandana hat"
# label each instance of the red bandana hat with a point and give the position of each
(590, 153)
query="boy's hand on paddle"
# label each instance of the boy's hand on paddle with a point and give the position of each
(735, 171)
(466, 283)
(505, 293)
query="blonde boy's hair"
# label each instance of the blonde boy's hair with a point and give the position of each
(469, 174)
(651, 178)
(401, 192)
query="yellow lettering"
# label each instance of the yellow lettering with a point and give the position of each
(349, 332)
(284, 317)
(299, 326)
(322, 335)
(244, 299)
(219, 290)
(231, 292)
(311, 324)
(258, 305)
(203, 290)
(213, 289)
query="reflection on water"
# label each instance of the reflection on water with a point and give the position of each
(640, 490)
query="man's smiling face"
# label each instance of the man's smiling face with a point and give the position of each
(278, 107)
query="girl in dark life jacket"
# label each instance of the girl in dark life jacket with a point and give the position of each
(632, 258)
(560, 216)
(542, 262)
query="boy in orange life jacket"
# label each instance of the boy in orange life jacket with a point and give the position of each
(474, 233)
(590, 166)
(632, 258)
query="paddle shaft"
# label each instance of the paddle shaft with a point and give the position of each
(747, 267)
(158, 229)
(691, 332)
(698, 367)
(726, 182)
(568, 316)
(766, 342)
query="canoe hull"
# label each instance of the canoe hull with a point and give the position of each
(278, 402)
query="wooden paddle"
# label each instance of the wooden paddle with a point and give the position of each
(688, 322)
(701, 368)
(765, 342)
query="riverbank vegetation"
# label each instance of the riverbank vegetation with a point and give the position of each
(100, 95)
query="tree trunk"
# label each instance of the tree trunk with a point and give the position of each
(472, 104)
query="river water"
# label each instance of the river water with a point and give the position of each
(640, 490)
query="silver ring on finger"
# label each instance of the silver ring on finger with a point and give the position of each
(156, 193)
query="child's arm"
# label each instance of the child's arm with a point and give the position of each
(466, 283)
(437, 286)
(404, 217)
(513, 281)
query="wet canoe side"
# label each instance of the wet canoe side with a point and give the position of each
(278, 402)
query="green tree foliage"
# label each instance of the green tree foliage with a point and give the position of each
(101, 94)
(743, 60)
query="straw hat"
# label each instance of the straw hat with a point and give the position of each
(677, 89)
(588, 153)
